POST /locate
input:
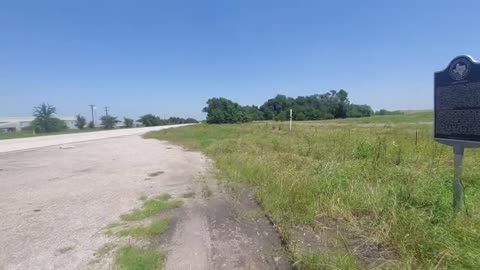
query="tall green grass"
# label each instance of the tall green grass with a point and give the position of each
(389, 183)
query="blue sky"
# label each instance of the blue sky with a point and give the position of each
(169, 57)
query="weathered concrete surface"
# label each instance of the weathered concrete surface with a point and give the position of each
(56, 200)
(43, 141)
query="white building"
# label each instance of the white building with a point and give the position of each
(10, 124)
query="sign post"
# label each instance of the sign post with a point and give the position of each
(458, 151)
(291, 115)
(457, 114)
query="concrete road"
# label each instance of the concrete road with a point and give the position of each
(56, 201)
(43, 141)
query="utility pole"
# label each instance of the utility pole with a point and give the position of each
(91, 108)
(106, 111)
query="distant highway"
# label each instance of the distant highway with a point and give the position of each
(20, 144)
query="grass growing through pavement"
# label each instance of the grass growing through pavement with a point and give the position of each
(190, 194)
(155, 228)
(382, 177)
(133, 258)
(151, 207)
(113, 225)
(105, 249)
(206, 191)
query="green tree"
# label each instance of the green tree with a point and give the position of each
(108, 122)
(179, 120)
(300, 116)
(275, 106)
(150, 120)
(341, 98)
(333, 104)
(278, 118)
(253, 113)
(45, 121)
(80, 121)
(224, 111)
(355, 110)
(191, 121)
(386, 112)
(128, 122)
(91, 125)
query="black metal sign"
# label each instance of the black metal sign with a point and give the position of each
(457, 102)
(457, 114)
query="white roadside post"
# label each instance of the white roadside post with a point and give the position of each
(456, 104)
(291, 115)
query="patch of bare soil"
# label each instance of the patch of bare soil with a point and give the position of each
(224, 231)
(328, 236)
(332, 236)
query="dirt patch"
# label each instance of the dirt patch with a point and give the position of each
(105, 249)
(85, 170)
(65, 249)
(223, 231)
(333, 237)
(188, 195)
(157, 173)
(328, 237)
(256, 244)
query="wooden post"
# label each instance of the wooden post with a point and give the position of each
(291, 116)
(416, 136)
(458, 151)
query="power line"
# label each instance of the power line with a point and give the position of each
(91, 108)
(106, 110)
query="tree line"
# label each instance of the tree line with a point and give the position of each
(333, 104)
(386, 112)
(150, 120)
(45, 120)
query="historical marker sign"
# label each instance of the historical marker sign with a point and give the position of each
(457, 114)
(457, 102)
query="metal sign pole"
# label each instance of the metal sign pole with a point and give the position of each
(458, 151)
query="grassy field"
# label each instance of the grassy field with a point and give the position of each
(382, 180)
(29, 133)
